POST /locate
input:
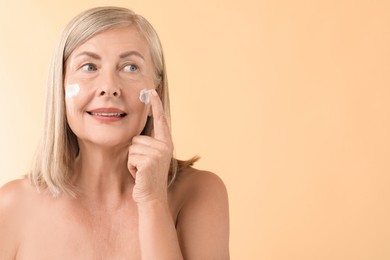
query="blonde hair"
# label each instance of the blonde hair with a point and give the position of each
(58, 146)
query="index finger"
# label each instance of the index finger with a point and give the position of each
(160, 123)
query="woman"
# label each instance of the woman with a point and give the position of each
(105, 184)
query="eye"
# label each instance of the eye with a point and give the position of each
(130, 68)
(89, 67)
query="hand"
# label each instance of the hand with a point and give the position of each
(150, 157)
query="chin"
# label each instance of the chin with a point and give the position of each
(113, 141)
(112, 144)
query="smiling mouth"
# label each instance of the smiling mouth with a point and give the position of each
(107, 114)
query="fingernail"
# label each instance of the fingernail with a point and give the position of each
(154, 92)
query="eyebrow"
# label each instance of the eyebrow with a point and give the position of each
(122, 56)
(89, 54)
(130, 53)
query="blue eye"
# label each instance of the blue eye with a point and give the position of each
(131, 68)
(89, 67)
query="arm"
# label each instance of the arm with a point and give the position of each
(149, 162)
(203, 222)
(158, 238)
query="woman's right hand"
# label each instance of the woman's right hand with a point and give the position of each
(150, 157)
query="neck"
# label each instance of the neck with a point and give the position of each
(101, 174)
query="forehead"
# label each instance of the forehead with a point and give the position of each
(115, 41)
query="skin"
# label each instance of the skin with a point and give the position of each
(124, 209)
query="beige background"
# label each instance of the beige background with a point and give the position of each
(287, 101)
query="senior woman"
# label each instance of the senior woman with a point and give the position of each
(104, 184)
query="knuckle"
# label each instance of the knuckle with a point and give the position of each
(164, 149)
(158, 155)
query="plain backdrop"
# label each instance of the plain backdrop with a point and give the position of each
(287, 101)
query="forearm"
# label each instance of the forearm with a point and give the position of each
(157, 233)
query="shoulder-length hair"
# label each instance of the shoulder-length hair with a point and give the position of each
(58, 147)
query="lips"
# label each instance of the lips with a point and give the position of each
(107, 112)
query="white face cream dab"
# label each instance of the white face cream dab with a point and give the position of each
(144, 96)
(71, 90)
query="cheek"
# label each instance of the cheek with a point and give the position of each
(76, 97)
(135, 105)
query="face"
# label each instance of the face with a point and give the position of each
(103, 80)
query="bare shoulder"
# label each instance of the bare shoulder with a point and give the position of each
(14, 196)
(195, 181)
(201, 190)
(203, 220)
(14, 192)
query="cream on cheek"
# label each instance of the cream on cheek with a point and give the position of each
(71, 92)
(144, 96)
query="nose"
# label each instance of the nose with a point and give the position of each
(109, 86)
